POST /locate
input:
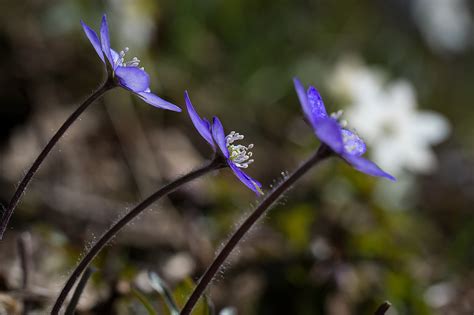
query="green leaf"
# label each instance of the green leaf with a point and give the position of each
(144, 301)
(182, 293)
(162, 288)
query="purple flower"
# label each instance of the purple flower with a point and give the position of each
(126, 74)
(332, 132)
(237, 156)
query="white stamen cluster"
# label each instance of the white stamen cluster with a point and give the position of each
(135, 62)
(349, 137)
(349, 141)
(337, 116)
(239, 154)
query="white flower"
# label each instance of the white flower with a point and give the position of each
(445, 24)
(137, 23)
(386, 116)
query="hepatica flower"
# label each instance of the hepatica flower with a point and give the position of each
(332, 131)
(237, 156)
(387, 115)
(126, 74)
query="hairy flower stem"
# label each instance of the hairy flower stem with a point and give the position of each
(322, 153)
(382, 309)
(8, 212)
(217, 163)
(71, 308)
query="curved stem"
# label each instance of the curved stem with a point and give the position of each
(8, 212)
(382, 309)
(215, 164)
(322, 153)
(71, 308)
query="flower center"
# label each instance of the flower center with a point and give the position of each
(135, 62)
(239, 154)
(337, 117)
(389, 129)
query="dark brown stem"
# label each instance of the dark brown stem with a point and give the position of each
(78, 292)
(322, 153)
(215, 164)
(8, 212)
(382, 309)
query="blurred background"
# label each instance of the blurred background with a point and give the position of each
(339, 242)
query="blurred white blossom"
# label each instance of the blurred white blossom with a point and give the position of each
(228, 311)
(445, 24)
(385, 114)
(137, 23)
(438, 295)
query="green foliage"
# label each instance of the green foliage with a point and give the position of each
(184, 290)
(144, 301)
(162, 288)
(295, 222)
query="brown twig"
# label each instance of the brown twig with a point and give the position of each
(382, 309)
(25, 254)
